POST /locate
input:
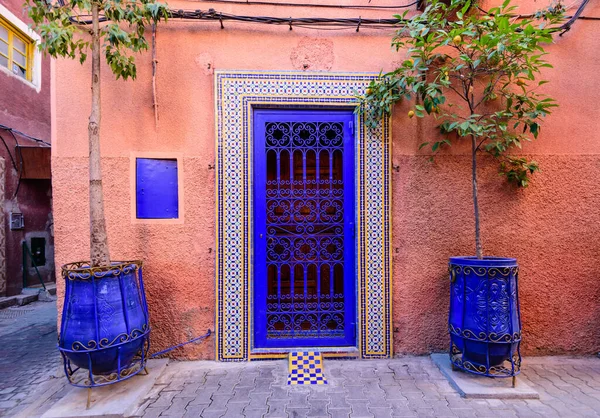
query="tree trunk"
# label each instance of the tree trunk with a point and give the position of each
(154, 68)
(99, 255)
(478, 247)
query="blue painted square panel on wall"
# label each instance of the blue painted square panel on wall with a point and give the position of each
(157, 194)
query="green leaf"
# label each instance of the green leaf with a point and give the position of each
(466, 7)
(534, 129)
(493, 53)
(121, 35)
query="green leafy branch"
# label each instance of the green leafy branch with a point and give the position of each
(63, 29)
(476, 73)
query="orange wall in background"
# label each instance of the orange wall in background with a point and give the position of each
(552, 227)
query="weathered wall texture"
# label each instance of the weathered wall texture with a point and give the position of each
(25, 108)
(551, 227)
(2, 230)
(21, 106)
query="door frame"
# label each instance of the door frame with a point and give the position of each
(260, 116)
(237, 93)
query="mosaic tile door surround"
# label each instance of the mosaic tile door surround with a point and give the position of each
(237, 94)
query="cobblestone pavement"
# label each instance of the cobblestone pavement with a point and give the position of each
(28, 354)
(403, 387)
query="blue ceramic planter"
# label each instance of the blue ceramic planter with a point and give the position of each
(104, 327)
(484, 320)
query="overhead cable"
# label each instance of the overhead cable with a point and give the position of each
(24, 135)
(567, 25)
(193, 340)
(335, 6)
(213, 15)
(307, 22)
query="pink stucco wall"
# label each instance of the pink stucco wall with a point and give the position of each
(550, 227)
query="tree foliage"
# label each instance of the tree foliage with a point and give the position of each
(63, 27)
(477, 73)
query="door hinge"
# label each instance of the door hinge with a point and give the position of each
(351, 125)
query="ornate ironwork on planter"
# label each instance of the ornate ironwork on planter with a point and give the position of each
(484, 320)
(104, 334)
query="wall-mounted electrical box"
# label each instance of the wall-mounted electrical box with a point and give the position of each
(17, 221)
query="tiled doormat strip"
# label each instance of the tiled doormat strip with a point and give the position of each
(306, 368)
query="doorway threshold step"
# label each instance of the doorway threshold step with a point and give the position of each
(306, 368)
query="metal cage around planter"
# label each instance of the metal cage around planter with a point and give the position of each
(484, 319)
(104, 333)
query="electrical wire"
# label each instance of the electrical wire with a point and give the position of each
(317, 23)
(567, 25)
(193, 340)
(18, 147)
(336, 6)
(270, 20)
(214, 16)
(24, 135)
(19, 169)
(12, 160)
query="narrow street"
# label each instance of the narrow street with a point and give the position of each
(28, 354)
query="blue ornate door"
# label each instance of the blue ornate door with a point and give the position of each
(304, 267)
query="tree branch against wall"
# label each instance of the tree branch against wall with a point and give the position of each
(477, 74)
(119, 37)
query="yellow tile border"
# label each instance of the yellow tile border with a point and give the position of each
(229, 107)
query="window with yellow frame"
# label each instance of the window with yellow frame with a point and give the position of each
(16, 50)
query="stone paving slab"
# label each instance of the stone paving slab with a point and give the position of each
(400, 387)
(482, 387)
(118, 400)
(29, 295)
(42, 398)
(28, 354)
